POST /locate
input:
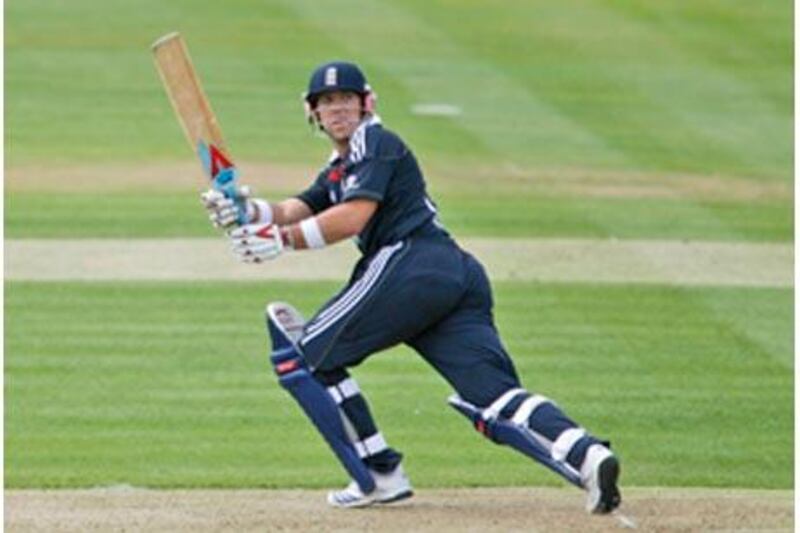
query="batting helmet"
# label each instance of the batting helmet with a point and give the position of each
(337, 76)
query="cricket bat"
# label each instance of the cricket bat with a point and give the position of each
(197, 119)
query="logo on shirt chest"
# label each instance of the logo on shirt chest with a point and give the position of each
(336, 193)
(349, 183)
(335, 175)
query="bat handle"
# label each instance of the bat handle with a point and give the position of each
(226, 181)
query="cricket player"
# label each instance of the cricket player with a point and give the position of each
(412, 285)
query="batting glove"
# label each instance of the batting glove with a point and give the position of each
(256, 243)
(223, 211)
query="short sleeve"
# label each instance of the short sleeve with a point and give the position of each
(377, 157)
(369, 179)
(316, 197)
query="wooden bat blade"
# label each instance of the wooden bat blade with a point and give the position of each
(186, 94)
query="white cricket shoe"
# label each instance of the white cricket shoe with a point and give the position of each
(599, 474)
(389, 488)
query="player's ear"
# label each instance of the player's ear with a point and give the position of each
(370, 100)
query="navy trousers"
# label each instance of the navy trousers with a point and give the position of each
(429, 294)
(425, 292)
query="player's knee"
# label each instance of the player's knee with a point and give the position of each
(515, 405)
(331, 377)
(519, 412)
(338, 383)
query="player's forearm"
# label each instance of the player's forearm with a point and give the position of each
(282, 213)
(314, 233)
(340, 222)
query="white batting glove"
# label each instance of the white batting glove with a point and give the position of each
(256, 243)
(222, 211)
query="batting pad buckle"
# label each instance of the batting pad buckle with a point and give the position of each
(285, 326)
(502, 431)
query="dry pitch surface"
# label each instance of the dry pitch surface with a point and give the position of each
(544, 260)
(484, 510)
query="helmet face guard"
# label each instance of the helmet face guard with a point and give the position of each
(337, 76)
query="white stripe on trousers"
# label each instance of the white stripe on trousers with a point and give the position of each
(355, 291)
(352, 291)
(353, 296)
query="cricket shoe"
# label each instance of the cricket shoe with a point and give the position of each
(599, 473)
(391, 487)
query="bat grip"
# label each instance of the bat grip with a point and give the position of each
(226, 181)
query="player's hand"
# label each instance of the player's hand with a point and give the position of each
(256, 243)
(224, 211)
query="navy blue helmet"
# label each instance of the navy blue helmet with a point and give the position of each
(336, 76)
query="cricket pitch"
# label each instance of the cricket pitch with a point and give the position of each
(434, 510)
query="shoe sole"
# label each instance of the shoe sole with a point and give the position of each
(367, 502)
(607, 481)
(396, 497)
(357, 504)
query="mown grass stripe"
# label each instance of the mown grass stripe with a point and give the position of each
(496, 108)
(636, 84)
(686, 398)
(514, 213)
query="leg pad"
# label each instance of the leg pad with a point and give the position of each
(503, 431)
(313, 398)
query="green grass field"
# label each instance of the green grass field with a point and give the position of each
(591, 119)
(176, 215)
(700, 87)
(110, 383)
